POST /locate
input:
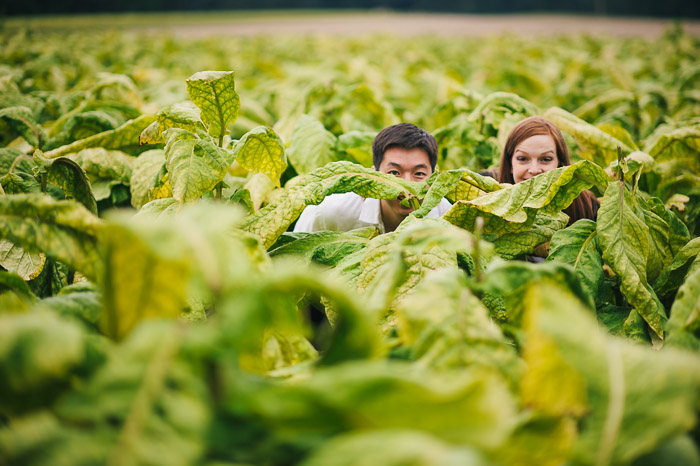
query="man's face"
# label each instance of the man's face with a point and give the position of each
(409, 164)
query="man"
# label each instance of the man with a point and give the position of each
(403, 150)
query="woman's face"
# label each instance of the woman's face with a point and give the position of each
(535, 155)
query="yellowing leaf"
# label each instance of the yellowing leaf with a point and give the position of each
(195, 166)
(18, 260)
(215, 95)
(138, 282)
(63, 229)
(625, 240)
(339, 177)
(127, 135)
(311, 145)
(261, 150)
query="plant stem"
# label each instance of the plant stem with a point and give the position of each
(477, 248)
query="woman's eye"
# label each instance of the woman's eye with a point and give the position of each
(548, 159)
(521, 158)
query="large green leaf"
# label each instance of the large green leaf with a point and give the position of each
(139, 281)
(445, 326)
(667, 235)
(455, 185)
(144, 176)
(325, 247)
(394, 263)
(79, 302)
(625, 240)
(311, 145)
(668, 143)
(391, 447)
(637, 397)
(509, 279)
(358, 146)
(21, 121)
(260, 150)
(508, 100)
(339, 177)
(11, 281)
(684, 262)
(176, 116)
(67, 175)
(251, 306)
(39, 353)
(83, 125)
(215, 94)
(18, 260)
(683, 325)
(102, 164)
(586, 134)
(61, 229)
(127, 135)
(515, 207)
(577, 246)
(458, 406)
(524, 242)
(146, 394)
(195, 166)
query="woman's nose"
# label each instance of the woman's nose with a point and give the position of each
(535, 168)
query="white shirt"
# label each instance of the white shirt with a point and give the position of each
(348, 211)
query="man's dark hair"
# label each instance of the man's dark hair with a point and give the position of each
(406, 136)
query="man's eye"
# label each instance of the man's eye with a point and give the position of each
(420, 175)
(394, 172)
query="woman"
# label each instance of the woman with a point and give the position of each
(536, 146)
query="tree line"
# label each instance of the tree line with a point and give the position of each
(667, 8)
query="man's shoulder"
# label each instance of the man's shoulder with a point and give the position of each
(342, 200)
(337, 212)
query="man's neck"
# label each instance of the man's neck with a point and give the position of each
(390, 220)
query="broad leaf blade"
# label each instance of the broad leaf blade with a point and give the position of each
(215, 95)
(586, 134)
(61, 229)
(685, 314)
(21, 120)
(260, 150)
(576, 246)
(515, 207)
(144, 176)
(127, 135)
(159, 291)
(669, 143)
(195, 166)
(72, 179)
(18, 260)
(340, 177)
(638, 396)
(624, 239)
(311, 145)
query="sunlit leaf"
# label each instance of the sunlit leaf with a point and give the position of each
(215, 95)
(261, 150)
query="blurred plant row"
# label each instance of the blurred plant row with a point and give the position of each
(183, 328)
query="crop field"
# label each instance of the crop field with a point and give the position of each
(157, 309)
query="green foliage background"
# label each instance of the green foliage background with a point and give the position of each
(155, 308)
